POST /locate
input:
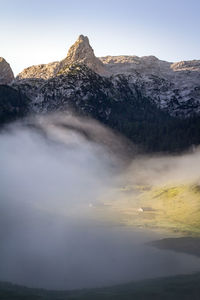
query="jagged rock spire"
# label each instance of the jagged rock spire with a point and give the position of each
(79, 53)
(6, 73)
(82, 52)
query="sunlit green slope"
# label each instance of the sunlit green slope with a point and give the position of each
(171, 207)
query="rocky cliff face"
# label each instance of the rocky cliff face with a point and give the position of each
(156, 104)
(115, 101)
(173, 87)
(80, 52)
(6, 73)
(44, 71)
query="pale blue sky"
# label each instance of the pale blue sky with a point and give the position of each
(34, 32)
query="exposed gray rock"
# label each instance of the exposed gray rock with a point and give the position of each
(130, 64)
(173, 87)
(6, 73)
(80, 52)
(44, 71)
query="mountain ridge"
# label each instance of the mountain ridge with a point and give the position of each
(153, 103)
(80, 52)
(173, 87)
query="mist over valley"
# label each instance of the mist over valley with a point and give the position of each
(99, 151)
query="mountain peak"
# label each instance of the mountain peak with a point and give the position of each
(81, 52)
(83, 38)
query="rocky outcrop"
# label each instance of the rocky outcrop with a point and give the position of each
(117, 102)
(130, 64)
(173, 87)
(44, 71)
(80, 53)
(75, 86)
(6, 73)
(190, 65)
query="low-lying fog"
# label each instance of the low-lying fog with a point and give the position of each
(52, 169)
